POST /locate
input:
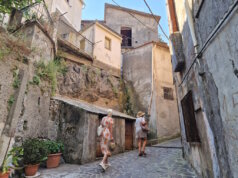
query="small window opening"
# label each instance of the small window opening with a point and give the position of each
(82, 44)
(168, 93)
(189, 118)
(107, 43)
(126, 33)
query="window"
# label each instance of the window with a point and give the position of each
(168, 93)
(126, 36)
(189, 118)
(82, 44)
(107, 43)
(65, 36)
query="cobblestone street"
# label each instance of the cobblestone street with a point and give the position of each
(161, 161)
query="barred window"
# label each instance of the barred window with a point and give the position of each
(168, 93)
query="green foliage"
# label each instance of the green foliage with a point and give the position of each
(14, 157)
(10, 101)
(84, 68)
(54, 147)
(16, 82)
(35, 80)
(50, 72)
(126, 99)
(4, 51)
(35, 151)
(6, 6)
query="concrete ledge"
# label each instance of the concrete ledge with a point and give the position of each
(161, 140)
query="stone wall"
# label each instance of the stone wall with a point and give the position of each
(24, 105)
(90, 84)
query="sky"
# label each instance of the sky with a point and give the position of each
(94, 9)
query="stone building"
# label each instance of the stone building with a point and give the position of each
(76, 123)
(106, 48)
(70, 10)
(147, 69)
(203, 46)
(133, 32)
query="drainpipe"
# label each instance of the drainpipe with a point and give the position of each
(172, 15)
(191, 25)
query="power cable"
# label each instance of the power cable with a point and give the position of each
(156, 20)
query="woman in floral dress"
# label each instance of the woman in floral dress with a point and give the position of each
(106, 138)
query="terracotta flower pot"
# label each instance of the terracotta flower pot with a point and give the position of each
(53, 160)
(5, 175)
(31, 170)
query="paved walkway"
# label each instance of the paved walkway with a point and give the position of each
(161, 162)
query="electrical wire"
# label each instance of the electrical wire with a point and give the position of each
(156, 19)
(136, 18)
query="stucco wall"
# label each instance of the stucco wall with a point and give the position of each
(111, 57)
(90, 35)
(166, 110)
(73, 9)
(97, 33)
(214, 90)
(116, 19)
(137, 69)
(225, 59)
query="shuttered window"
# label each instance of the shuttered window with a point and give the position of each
(189, 118)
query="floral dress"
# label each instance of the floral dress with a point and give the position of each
(106, 136)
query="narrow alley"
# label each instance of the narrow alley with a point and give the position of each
(162, 161)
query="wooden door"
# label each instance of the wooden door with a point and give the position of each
(129, 135)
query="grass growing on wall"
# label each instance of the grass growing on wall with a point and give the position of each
(49, 72)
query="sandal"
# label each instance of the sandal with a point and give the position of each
(140, 154)
(144, 154)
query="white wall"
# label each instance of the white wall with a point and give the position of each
(111, 57)
(73, 9)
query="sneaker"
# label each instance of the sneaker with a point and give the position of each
(103, 165)
(108, 164)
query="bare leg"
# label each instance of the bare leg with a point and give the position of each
(144, 144)
(139, 145)
(104, 160)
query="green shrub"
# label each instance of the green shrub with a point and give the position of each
(54, 147)
(13, 159)
(10, 101)
(51, 70)
(36, 80)
(35, 151)
(16, 82)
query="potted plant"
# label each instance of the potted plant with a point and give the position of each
(55, 150)
(5, 169)
(35, 151)
(11, 161)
